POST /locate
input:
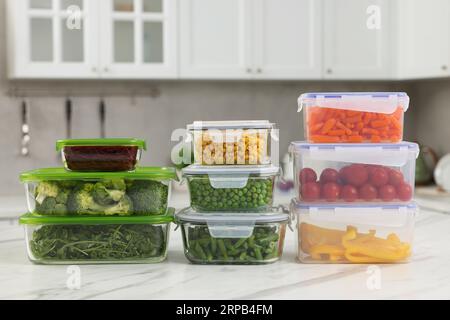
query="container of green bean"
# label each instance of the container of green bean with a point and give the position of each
(233, 238)
(231, 188)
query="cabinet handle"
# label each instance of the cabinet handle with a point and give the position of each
(444, 67)
(105, 69)
(329, 71)
(94, 69)
(249, 70)
(259, 70)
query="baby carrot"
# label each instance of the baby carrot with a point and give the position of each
(378, 123)
(340, 125)
(323, 138)
(328, 126)
(375, 138)
(316, 127)
(355, 138)
(338, 132)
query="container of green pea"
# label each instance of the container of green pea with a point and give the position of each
(233, 238)
(231, 188)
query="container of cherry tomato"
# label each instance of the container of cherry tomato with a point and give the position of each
(353, 117)
(352, 173)
(362, 233)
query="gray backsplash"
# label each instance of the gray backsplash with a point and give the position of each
(179, 103)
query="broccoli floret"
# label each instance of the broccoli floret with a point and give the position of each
(81, 201)
(46, 189)
(109, 192)
(62, 196)
(60, 209)
(68, 184)
(47, 206)
(149, 197)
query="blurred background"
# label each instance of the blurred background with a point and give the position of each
(142, 68)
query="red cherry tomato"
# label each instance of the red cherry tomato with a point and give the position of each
(307, 175)
(349, 193)
(395, 177)
(368, 192)
(378, 176)
(387, 193)
(356, 175)
(404, 192)
(342, 174)
(329, 175)
(330, 191)
(310, 191)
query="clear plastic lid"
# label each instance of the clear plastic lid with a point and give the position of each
(349, 214)
(154, 173)
(34, 219)
(234, 124)
(394, 154)
(379, 102)
(232, 225)
(231, 176)
(101, 142)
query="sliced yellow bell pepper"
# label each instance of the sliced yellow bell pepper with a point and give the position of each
(327, 252)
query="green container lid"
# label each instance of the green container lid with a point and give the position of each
(141, 173)
(101, 142)
(33, 219)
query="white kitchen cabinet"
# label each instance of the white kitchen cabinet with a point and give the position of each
(250, 39)
(215, 39)
(424, 38)
(139, 39)
(358, 45)
(287, 39)
(52, 38)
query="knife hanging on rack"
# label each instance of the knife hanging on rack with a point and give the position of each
(68, 118)
(102, 115)
(25, 129)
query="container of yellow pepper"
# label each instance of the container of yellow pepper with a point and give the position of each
(354, 234)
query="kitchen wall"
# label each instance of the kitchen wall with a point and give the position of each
(178, 103)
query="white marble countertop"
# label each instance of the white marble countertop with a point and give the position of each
(427, 276)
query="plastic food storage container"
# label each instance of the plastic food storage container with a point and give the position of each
(231, 142)
(121, 154)
(335, 117)
(55, 191)
(354, 234)
(233, 238)
(231, 188)
(95, 240)
(354, 172)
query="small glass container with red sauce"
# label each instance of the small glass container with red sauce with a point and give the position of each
(116, 154)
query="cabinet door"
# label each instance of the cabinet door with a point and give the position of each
(139, 39)
(52, 38)
(424, 38)
(357, 39)
(287, 39)
(214, 41)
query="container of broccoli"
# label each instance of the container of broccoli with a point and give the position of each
(55, 191)
(95, 240)
(231, 188)
(234, 238)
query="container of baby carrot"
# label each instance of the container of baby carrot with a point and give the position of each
(353, 117)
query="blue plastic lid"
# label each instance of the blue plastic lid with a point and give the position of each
(336, 146)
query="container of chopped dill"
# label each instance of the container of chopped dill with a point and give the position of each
(96, 239)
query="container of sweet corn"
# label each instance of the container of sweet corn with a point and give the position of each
(232, 142)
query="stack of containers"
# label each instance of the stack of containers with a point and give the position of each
(354, 179)
(99, 208)
(231, 219)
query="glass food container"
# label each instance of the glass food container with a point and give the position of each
(96, 240)
(336, 173)
(354, 234)
(116, 154)
(232, 142)
(353, 117)
(231, 188)
(233, 238)
(55, 191)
